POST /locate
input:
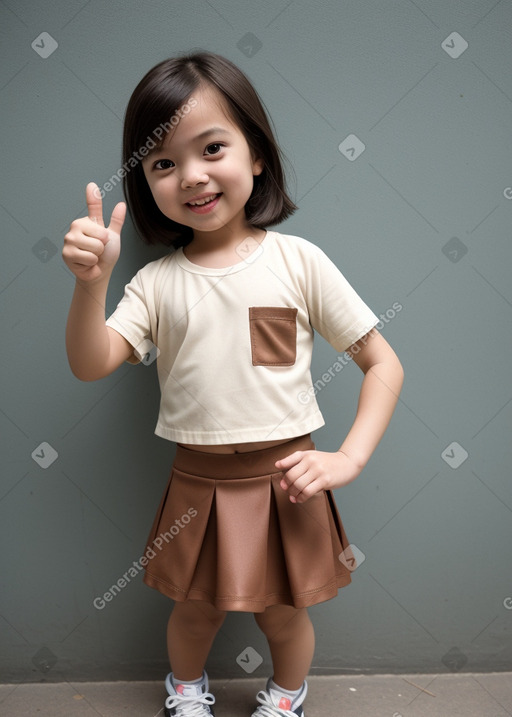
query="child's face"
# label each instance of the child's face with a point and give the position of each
(205, 155)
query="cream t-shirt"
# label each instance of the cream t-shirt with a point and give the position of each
(234, 345)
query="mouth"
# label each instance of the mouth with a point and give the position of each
(204, 204)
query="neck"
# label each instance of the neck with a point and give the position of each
(223, 240)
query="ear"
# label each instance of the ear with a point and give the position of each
(257, 167)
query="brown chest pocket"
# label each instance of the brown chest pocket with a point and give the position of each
(273, 332)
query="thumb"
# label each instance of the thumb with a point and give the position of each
(94, 203)
(117, 218)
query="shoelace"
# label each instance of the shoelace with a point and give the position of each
(191, 706)
(268, 709)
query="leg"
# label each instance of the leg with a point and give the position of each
(291, 639)
(190, 633)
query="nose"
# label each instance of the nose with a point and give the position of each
(193, 175)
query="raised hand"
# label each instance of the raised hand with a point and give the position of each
(91, 250)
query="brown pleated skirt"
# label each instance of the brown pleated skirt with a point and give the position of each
(226, 533)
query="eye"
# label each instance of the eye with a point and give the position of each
(164, 164)
(214, 148)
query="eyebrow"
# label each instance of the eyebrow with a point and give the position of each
(208, 132)
(202, 135)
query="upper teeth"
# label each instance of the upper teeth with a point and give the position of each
(198, 202)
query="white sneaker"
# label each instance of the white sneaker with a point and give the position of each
(188, 700)
(274, 703)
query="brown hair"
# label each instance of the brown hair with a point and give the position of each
(154, 106)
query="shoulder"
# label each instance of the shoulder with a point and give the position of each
(300, 252)
(296, 245)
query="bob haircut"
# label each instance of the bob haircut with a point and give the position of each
(154, 108)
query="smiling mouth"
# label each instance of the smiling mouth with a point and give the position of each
(202, 202)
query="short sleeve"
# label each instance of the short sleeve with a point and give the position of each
(336, 310)
(133, 316)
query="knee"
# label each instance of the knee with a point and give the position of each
(198, 620)
(278, 622)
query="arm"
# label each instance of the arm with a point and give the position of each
(382, 382)
(308, 472)
(91, 251)
(94, 349)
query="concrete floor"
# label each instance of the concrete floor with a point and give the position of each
(467, 695)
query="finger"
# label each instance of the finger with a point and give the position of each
(305, 487)
(92, 245)
(290, 461)
(291, 482)
(84, 259)
(76, 245)
(295, 481)
(298, 465)
(117, 218)
(94, 203)
(290, 478)
(309, 491)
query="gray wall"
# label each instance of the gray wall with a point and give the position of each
(420, 219)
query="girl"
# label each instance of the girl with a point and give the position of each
(248, 520)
